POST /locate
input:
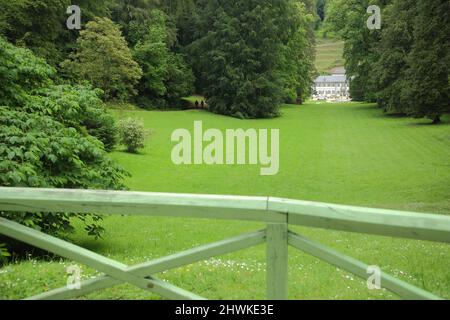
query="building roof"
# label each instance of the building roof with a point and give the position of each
(339, 78)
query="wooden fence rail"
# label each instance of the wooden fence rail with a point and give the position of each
(277, 213)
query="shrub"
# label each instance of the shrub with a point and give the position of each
(52, 136)
(37, 151)
(132, 134)
(78, 107)
(20, 73)
(27, 85)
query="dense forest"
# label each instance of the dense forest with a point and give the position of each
(405, 65)
(247, 57)
(57, 80)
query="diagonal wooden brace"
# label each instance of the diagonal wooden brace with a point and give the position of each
(108, 266)
(161, 264)
(358, 268)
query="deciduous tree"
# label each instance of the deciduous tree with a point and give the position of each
(103, 58)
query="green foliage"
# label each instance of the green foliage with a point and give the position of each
(78, 107)
(26, 83)
(349, 19)
(52, 136)
(4, 254)
(405, 66)
(236, 55)
(296, 66)
(132, 134)
(37, 151)
(426, 91)
(132, 16)
(180, 80)
(249, 56)
(40, 25)
(167, 78)
(103, 58)
(394, 46)
(35, 24)
(20, 73)
(152, 54)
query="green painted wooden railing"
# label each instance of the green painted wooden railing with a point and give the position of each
(277, 213)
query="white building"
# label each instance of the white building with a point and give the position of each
(334, 87)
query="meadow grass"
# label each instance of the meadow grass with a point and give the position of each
(329, 55)
(347, 153)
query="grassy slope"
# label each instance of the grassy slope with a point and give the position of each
(343, 153)
(328, 55)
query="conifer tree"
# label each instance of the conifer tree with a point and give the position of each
(237, 53)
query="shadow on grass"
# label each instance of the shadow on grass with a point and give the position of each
(429, 123)
(138, 153)
(99, 246)
(362, 106)
(21, 251)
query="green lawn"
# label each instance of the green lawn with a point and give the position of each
(340, 153)
(329, 55)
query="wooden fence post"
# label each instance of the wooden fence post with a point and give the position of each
(277, 261)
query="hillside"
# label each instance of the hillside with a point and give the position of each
(329, 55)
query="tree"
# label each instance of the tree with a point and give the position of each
(349, 19)
(103, 58)
(20, 73)
(166, 76)
(426, 91)
(296, 66)
(134, 18)
(78, 107)
(37, 151)
(40, 25)
(180, 80)
(393, 49)
(152, 54)
(27, 84)
(236, 54)
(35, 24)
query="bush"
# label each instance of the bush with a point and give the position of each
(132, 134)
(52, 136)
(166, 76)
(39, 152)
(20, 73)
(236, 55)
(27, 85)
(78, 107)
